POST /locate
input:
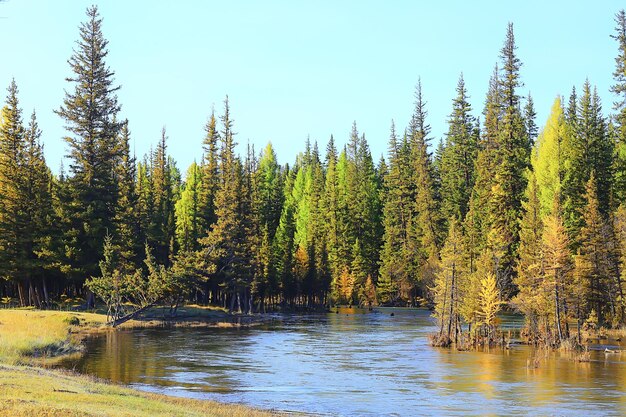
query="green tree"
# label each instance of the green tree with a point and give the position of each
(548, 161)
(89, 110)
(210, 175)
(619, 106)
(188, 218)
(587, 150)
(127, 214)
(458, 157)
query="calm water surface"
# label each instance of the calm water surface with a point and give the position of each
(355, 364)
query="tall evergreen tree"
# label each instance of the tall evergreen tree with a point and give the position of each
(187, 211)
(127, 215)
(619, 106)
(89, 111)
(458, 157)
(210, 175)
(425, 230)
(548, 161)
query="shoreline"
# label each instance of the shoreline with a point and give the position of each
(30, 387)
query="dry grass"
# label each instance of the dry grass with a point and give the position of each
(33, 333)
(27, 391)
(603, 333)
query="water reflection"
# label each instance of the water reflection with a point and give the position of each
(356, 363)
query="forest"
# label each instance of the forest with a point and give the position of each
(500, 214)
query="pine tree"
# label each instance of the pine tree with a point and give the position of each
(89, 114)
(162, 227)
(619, 233)
(331, 213)
(548, 160)
(127, 214)
(490, 303)
(458, 157)
(223, 246)
(619, 106)
(449, 281)
(12, 144)
(595, 254)
(513, 155)
(25, 204)
(188, 219)
(558, 268)
(210, 178)
(395, 264)
(283, 244)
(530, 116)
(270, 197)
(587, 150)
(530, 271)
(426, 224)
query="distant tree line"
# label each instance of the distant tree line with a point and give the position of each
(498, 213)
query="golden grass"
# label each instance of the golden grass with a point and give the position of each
(32, 333)
(28, 391)
(35, 337)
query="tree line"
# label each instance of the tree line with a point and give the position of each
(497, 213)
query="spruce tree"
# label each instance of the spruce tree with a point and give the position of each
(12, 149)
(88, 110)
(458, 157)
(127, 212)
(588, 149)
(210, 175)
(530, 271)
(187, 211)
(619, 106)
(425, 230)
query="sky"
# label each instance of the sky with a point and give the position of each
(294, 70)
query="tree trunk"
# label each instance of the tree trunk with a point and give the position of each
(558, 311)
(130, 316)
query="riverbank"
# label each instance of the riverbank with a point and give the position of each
(32, 391)
(33, 337)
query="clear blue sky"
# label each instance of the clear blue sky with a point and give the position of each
(298, 69)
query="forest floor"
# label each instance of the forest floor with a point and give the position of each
(31, 339)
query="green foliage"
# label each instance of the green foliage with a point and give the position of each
(547, 160)
(188, 219)
(88, 111)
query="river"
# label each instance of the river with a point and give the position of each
(355, 363)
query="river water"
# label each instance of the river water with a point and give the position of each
(356, 363)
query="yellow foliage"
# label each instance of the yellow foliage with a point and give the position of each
(489, 300)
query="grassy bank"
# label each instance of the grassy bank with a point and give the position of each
(29, 391)
(33, 337)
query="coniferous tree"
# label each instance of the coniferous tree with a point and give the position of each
(458, 157)
(558, 268)
(210, 179)
(127, 211)
(188, 221)
(548, 161)
(162, 226)
(89, 111)
(449, 281)
(223, 246)
(12, 144)
(397, 210)
(530, 274)
(594, 253)
(619, 106)
(587, 149)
